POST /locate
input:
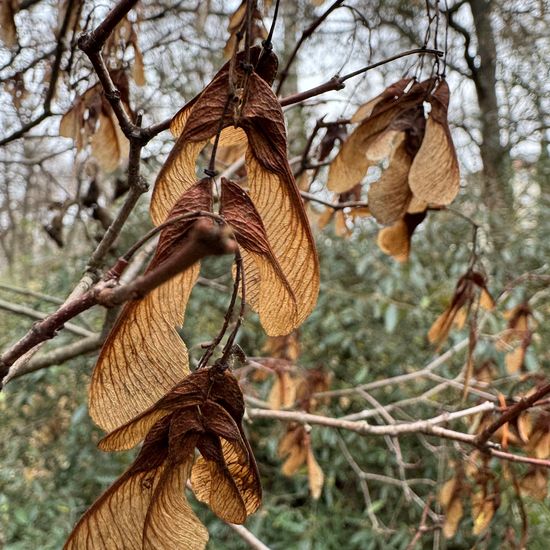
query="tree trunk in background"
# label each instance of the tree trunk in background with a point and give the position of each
(293, 26)
(498, 194)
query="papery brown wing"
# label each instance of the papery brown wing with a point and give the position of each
(227, 392)
(483, 510)
(389, 197)
(534, 483)
(395, 240)
(283, 392)
(234, 458)
(315, 475)
(454, 313)
(265, 67)
(383, 146)
(514, 359)
(297, 457)
(116, 519)
(416, 206)
(434, 175)
(351, 163)
(392, 92)
(187, 395)
(144, 356)
(245, 476)
(274, 193)
(195, 124)
(453, 516)
(442, 325)
(294, 448)
(109, 144)
(269, 293)
(170, 522)
(213, 484)
(219, 422)
(272, 187)
(131, 433)
(79, 122)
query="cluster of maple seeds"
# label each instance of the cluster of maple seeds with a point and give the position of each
(475, 481)
(144, 360)
(421, 167)
(146, 507)
(294, 389)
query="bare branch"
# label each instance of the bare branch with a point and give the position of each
(512, 413)
(337, 82)
(428, 427)
(204, 240)
(305, 35)
(56, 357)
(34, 314)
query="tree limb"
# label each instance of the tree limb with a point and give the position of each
(56, 357)
(34, 314)
(204, 240)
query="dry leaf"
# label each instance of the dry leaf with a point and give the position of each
(293, 447)
(204, 411)
(352, 162)
(283, 391)
(447, 492)
(269, 293)
(535, 484)
(416, 206)
(316, 477)
(483, 510)
(283, 347)
(453, 515)
(148, 493)
(271, 185)
(450, 498)
(109, 144)
(144, 356)
(236, 22)
(91, 119)
(434, 175)
(395, 240)
(457, 311)
(389, 197)
(514, 360)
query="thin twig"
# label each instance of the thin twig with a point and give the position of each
(337, 82)
(428, 427)
(512, 413)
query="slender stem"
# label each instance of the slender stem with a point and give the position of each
(228, 314)
(127, 256)
(229, 344)
(266, 44)
(334, 205)
(337, 82)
